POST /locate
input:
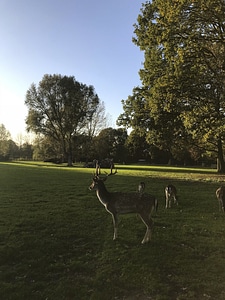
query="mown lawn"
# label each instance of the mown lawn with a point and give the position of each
(56, 238)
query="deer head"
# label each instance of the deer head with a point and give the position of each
(99, 179)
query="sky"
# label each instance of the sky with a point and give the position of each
(88, 39)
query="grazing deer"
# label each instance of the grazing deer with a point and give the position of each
(220, 194)
(141, 187)
(171, 193)
(123, 203)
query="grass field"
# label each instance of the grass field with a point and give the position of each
(56, 238)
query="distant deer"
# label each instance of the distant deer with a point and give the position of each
(141, 187)
(170, 193)
(117, 203)
(220, 194)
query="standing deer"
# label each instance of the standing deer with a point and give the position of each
(220, 194)
(170, 193)
(141, 187)
(117, 203)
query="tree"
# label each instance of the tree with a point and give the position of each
(183, 73)
(110, 143)
(94, 125)
(204, 112)
(45, 148)
(137, 147)
(96, 122)
(59, 109)
(4, 143)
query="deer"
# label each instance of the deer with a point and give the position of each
(170, 193)
(117, 203)
(220, 194)
(141, 187)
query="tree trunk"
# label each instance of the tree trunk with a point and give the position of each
(70, 154)
(70, 161)
(220, 158)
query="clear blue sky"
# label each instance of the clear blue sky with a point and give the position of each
(90, 40)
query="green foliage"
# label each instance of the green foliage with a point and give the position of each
(4, 141)
(138, 148)
(182, 77)
(59, 109)
(56, 238)
(110, 143)
(8, 148)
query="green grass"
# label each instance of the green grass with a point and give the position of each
(56, 238)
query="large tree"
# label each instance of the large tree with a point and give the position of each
(59, 108)
(183, 73)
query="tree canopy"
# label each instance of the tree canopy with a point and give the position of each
(60, 108)
(182, 97)
(110, 143)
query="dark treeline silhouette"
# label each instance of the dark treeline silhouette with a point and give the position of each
(109, 144)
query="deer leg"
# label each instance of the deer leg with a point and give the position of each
(167, 201)
(175, 200)
(115, 225)
(146, 219)
(156, 205)
(222, 206)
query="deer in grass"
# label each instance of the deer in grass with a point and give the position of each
(141, 187)
(117, 203)
(220, 194)
(171, 193)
